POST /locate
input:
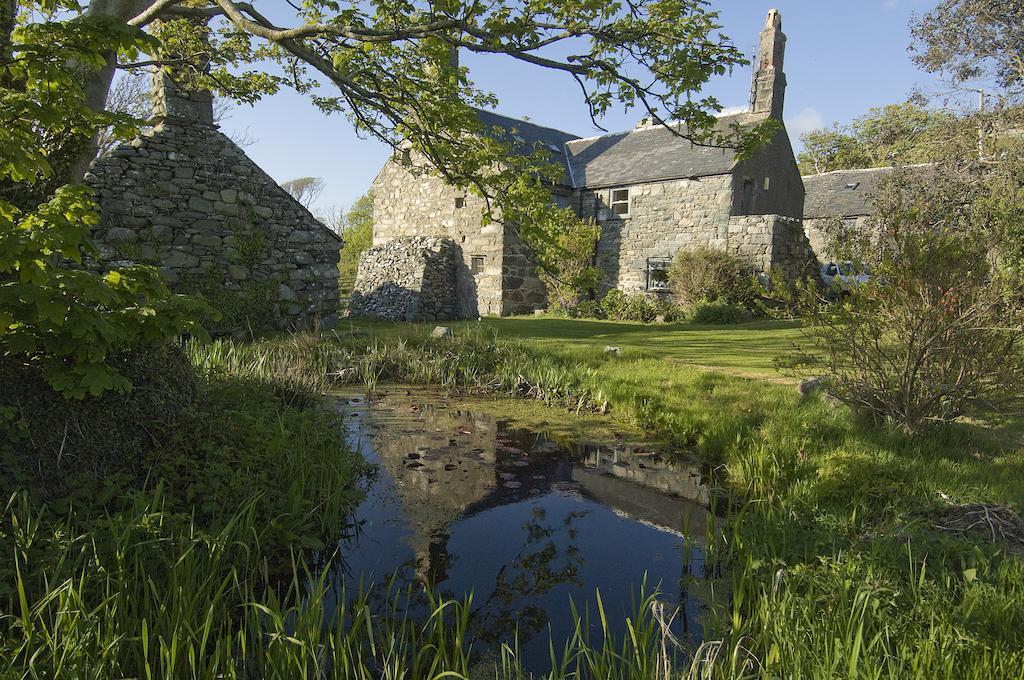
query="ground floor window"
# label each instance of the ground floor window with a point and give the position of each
(657, 273)
(476, 264)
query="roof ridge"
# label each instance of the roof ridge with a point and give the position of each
(878, 169)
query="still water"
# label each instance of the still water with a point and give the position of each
(525, 521)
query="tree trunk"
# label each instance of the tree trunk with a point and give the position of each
(97, 83)
(8, 16)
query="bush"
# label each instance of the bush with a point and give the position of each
(706, 275)
(719, 313)
(934, 335)
(50, 442)
(588, 309)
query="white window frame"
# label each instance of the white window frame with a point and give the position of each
(612, 203)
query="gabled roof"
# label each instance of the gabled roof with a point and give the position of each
(651, 154)
(524, 136)
(845, 193)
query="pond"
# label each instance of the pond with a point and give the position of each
(526, 519)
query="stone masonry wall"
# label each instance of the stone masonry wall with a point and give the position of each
(185, 198)
(816, 233)
(665, 217)
(408, 201)
(408, 279)
(772, 241)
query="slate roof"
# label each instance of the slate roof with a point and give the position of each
(524, 136)
(650, 154)
(845, 193)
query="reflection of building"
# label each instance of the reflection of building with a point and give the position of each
(448, 465)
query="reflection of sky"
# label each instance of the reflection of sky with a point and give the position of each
(522, 556)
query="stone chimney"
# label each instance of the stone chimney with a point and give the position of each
(174, 102)
(768, 93)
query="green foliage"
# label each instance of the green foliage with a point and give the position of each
(968, 41)
(896, 134)
(357, 236)
(55, 315)
(252, 309)
(708, 275)
(933, 336)
(569, 274)
(719, 313)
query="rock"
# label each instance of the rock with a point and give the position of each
(441, 332)
(812, 385)
(121, 235)
(613, 350)
(285, 293)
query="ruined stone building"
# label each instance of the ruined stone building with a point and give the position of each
(185, 198)
(653, 193)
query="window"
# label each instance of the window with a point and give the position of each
(767, 183)
(620, 202)
(407, 158)
(657, 273)
(460, 203)
(476, 264)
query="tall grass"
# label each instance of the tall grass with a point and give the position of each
(148, 594)
(474, 358)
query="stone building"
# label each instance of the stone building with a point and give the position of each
(496, 273)
(846, 196)
(187, 199)
(652, 191)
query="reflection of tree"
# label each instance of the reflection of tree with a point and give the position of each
(540, 566)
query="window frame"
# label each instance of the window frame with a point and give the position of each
(612, 202)
(475, 260)
(658, 264)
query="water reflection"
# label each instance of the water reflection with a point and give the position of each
(464, 503)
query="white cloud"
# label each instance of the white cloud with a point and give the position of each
(804, 122)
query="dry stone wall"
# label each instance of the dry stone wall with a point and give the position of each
(185, 198)
(408, 279)
(409, 201)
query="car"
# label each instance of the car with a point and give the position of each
(840, 277)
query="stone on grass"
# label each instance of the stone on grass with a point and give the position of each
(812, 385)
(441, 332)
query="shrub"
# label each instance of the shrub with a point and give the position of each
(706, 275)
(568, 273)
(718, 313)
(588, 309)
(931, 337)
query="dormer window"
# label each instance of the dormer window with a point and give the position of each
(619, 202)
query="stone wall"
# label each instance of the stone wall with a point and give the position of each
(409, 201)
(183, 197)
(408, 279)
(817, 233)
(772, 242)
(665, 217)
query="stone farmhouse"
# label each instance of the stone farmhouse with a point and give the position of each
(651, 191)
(185, 198)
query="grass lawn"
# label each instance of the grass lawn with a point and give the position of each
(747, 350)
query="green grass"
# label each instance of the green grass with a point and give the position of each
(835, 565)
(745, 350)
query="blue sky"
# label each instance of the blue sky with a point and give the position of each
(843, 57)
